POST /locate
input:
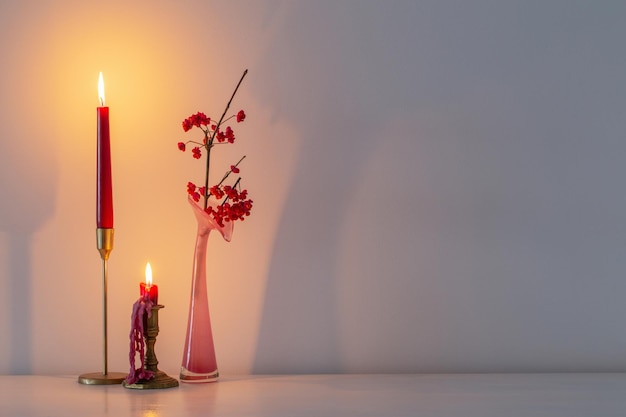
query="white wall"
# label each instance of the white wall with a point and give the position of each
(437, 184)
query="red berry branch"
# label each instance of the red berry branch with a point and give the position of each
(232, 203)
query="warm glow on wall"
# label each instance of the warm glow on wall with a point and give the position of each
(152, 83)
(54, 156)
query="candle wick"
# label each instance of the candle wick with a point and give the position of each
(101, 102)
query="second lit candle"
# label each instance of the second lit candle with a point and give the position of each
(148, 289)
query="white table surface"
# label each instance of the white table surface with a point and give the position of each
(428, 395)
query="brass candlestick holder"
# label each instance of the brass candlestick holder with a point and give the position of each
(160, 379)
(104, 238)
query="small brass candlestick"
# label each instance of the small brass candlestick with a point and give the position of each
(160, 379)
(104, 240)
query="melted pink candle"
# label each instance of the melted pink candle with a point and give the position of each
(148, 296)
(141, 307)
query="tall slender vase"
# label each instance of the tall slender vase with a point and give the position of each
(199, 363)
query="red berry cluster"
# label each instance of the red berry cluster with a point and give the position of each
(199, 119)
(232, 203)
(222, 137)
(235, 206)
(211, 133)
(195, 192)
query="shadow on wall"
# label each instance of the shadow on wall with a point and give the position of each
(28, 183)
(520, 197)
(305, 67)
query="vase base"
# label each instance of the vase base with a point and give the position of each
(193, 377)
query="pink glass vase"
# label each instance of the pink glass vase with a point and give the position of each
(199, 363)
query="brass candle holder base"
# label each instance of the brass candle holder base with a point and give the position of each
(98, 378)
(104, 243)
(161, 379)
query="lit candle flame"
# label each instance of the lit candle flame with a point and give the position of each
(101, 89)
(148, 275)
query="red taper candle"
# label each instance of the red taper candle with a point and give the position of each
(104, 193)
